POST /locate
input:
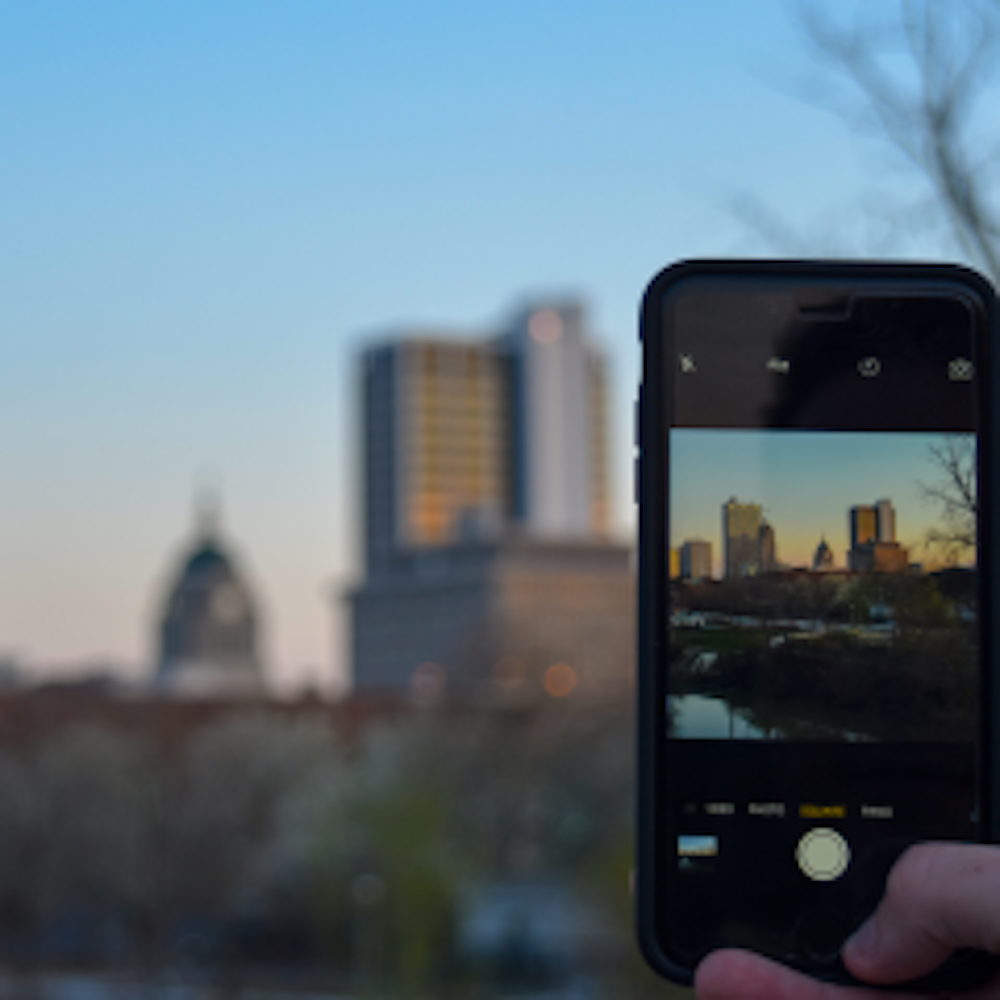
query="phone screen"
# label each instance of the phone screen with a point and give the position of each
(822, 648)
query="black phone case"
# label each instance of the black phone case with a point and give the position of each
(965, 969)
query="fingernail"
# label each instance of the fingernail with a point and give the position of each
(864, 941)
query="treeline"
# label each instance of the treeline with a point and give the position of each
(919, 599)
(266, 841)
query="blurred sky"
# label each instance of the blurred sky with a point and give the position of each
(206, 208)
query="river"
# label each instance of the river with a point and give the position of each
(708, 717)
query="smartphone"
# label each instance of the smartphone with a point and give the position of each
(813, 477)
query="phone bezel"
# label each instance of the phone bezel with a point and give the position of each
(652, 424)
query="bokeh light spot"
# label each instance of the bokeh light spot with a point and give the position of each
(560, 680)
(545, 326)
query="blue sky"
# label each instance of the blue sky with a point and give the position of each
(206, 208)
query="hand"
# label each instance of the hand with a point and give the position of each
(938, 897)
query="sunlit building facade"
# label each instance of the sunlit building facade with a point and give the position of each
(864, 525)
(675, 564)
(466, 438)
(435, 445)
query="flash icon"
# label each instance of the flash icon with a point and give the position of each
(687, 363)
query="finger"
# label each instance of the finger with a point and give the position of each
(740, 975)
(938, 897)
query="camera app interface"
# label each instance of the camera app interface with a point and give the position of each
(823, 613)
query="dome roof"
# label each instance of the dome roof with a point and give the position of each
(208, 631)
(823, 558)
(206, 556)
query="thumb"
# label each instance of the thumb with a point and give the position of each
(938, 897)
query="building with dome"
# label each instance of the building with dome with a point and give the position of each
(208, 635)
(823, 557)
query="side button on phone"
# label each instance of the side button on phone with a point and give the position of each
(637, 419)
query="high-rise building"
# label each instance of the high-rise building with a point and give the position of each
(863, 525)
(874, 548)
(741, 524)
(885, 518)
(557, 420)
(696, 560)
(465, 438)
(675, 564)
(768, 548)
(435, 444)
(487, 514)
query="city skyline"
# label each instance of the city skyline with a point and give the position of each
(806, 485)
(750, 545)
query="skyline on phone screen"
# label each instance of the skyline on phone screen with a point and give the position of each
(806, 483)
(822, 585)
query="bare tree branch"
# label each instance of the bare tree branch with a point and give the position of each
(955, 494)
(917, 82)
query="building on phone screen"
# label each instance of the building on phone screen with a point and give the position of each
(488, 558)
(695, 560)
(874, 548)
(768, 548)
(823, 558)
(741, 524)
